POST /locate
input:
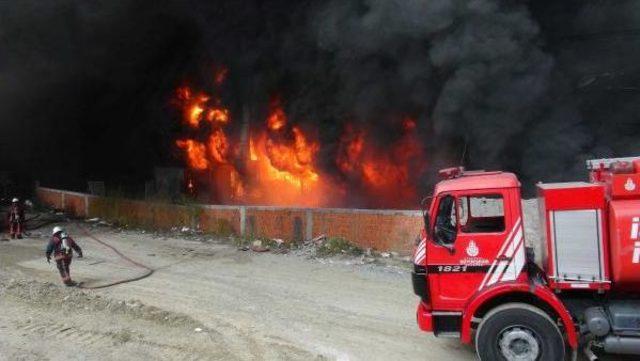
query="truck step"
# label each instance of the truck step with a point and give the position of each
(448, 334)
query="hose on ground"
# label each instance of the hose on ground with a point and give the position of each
(33, 218)
(149, 270)
(42, 223)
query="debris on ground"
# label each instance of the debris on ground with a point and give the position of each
(322, 246)
(273, 245)
(319, 240)
(318, 247)
(257, 246)
(338, 246)
(280, 246)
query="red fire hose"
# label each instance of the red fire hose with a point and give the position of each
(149, 271)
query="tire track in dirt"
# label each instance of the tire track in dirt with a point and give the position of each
(62, 331)
(60, 325)
(83, 337)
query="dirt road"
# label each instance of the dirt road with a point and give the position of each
(207, 301)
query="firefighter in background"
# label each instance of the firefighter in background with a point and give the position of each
(15, 218)
(62, 247)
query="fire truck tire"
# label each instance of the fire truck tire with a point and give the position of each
(519, 331)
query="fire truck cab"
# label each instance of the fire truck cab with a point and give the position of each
(477, 279)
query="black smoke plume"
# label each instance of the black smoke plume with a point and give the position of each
(530, 87)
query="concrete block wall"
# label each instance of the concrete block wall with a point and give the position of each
(382, 230)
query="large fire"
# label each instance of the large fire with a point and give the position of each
(282, 161)
(274, 161)
(386, 171)
(196, 153)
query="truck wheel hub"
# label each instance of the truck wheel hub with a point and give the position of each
(518, 344)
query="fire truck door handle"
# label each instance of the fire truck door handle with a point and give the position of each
(505, 258)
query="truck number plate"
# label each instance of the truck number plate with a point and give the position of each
(457, 269)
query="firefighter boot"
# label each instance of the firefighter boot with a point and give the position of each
(63, 268)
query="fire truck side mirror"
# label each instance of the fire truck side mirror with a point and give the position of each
(426, 217)
(427, 222)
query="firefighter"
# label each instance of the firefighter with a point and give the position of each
(61, 246)
(15, 218)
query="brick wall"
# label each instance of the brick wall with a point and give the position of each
(50, 197)
(383, 230)
(378, 229)
(222, 220)
(76, 204)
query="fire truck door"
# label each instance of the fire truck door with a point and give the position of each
(461, 256)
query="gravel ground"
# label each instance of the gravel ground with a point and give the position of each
(210, 301)
(207, 300)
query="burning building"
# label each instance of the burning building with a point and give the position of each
(274, 160)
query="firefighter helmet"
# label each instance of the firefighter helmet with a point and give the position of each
(56, 230)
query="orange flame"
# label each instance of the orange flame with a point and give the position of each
(385, 173)
(294, 158)
(196, 153)
(277, 119)
(252, 150)
(195, 113)
(351, 146)
(275, 162)
(283, 171)
(218, 146)
(219, 115)
(183, 93)
(193, 105)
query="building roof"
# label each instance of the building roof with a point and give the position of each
(475, 180)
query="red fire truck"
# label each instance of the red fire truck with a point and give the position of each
(478, 280)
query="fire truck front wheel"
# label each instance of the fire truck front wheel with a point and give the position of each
(518, 332)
